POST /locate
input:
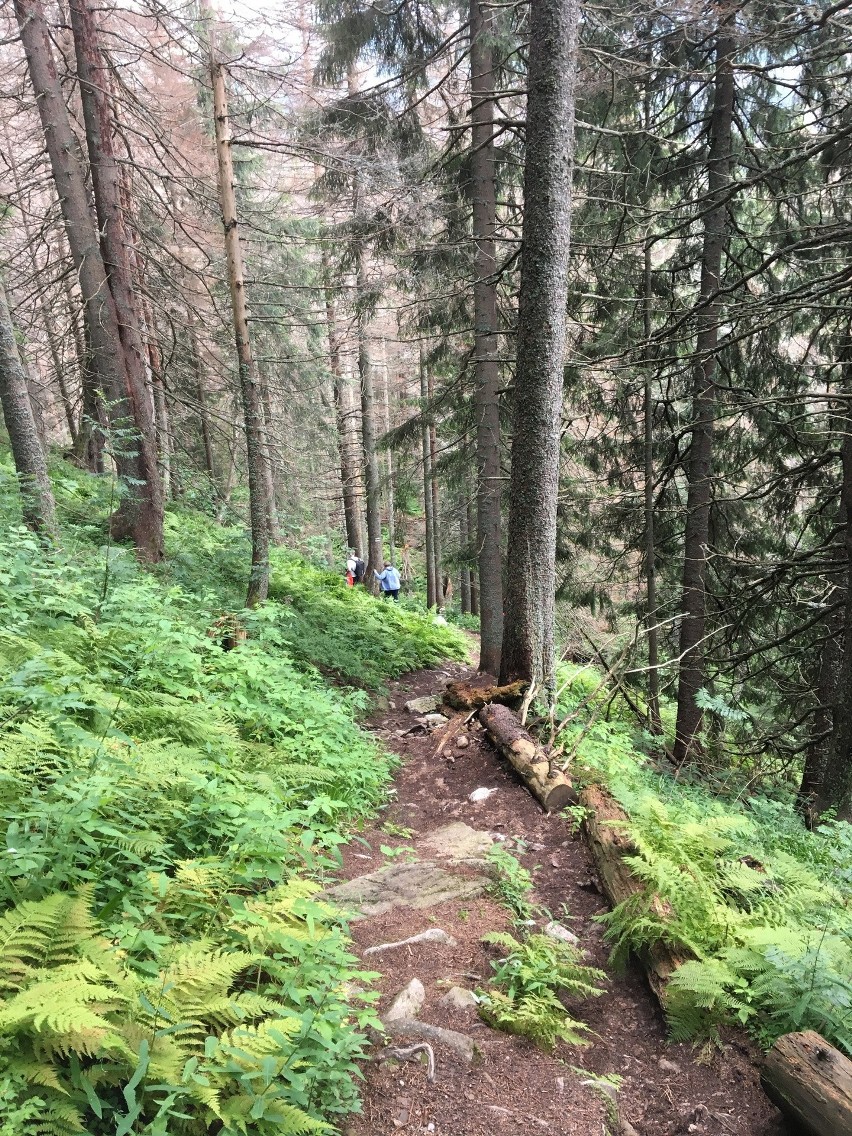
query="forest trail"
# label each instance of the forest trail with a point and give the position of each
(511, 1087)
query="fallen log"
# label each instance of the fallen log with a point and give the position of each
(811, 1082)
(551, 787)
(605, 822)
(463, 696)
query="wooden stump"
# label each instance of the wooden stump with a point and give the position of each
(811, 1082)
(552, 789)
(605, 824)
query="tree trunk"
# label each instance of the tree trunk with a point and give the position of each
(428, 500)
(811, 1082)
(699, 470)
(549, 786)
(269, 469)
(140, 514)
(436, 499)
(250, 392)
(201, 400)
(654, 723)
(483, 81)
(342, 412)
(391, 496)
(37, 506)
(106, 365)
(528, 650)
(474, 576)
(835, 789)
(464, 552)
(368, 430)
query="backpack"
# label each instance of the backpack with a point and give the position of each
(359, 568)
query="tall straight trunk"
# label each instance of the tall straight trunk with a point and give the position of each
(342, 412)
(528, 648)
(473, 573)
(250, 390)
(37, 506)
(201, 400)
(89, 440)
(436, 499)
(162, 423)
(650, 548)
(428, 500)
(464, 551)
(269, 469)
(834, 788)
(391, 501)
(141, 513)
(486, 363)
(372, 478)
(704, 394)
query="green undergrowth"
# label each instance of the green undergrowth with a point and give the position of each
(763, 905)
(169, 808)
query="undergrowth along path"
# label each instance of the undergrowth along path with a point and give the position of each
(512, 1086)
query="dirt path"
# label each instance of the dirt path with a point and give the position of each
(511, 1087)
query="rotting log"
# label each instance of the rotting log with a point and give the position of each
(551, 787)
(463, 696)
(605, 823)
(811, 1082)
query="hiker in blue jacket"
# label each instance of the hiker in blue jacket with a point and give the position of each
(389, 580)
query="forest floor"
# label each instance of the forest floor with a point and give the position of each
(511, 1086)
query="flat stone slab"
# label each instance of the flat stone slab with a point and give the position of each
(421, 884)
(408, 1002)
(459, 842)
(428, 704)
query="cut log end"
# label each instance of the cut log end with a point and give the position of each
(551, 787)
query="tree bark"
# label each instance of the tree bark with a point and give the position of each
(106, 368)
(811, 1082)
(428, 500)
(440, 596)
(464, 551)
(528, 648)
(654, 723)
(474, 577)
(485, 350)
(368, 427)
(391, 494)
(250, 392)
(549, 786)
(268, 465)
(140, 514)
(700, 466)
(342, 412)
(37, 506)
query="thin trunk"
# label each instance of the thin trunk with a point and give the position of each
(528, 647)
(436, 500)
(464, 547)
(391, 503)
(201, 401)
(431, 578)
(368, 429)
(231, 474)
(250, 392)
(342, 412)
(650, 549)
(835, 788)
(140, 514)
(700, 471)
(89, 441)
(106, 368)
(486, 363)
(472, 572)
(37, 505)
(269, 470)
(161, 408)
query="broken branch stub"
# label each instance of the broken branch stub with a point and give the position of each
(549, 786)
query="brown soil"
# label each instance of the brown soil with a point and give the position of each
(667, 1090)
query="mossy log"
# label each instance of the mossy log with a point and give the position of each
(551, 787)
(811, 1082)
(463, 696)
(605, 824)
